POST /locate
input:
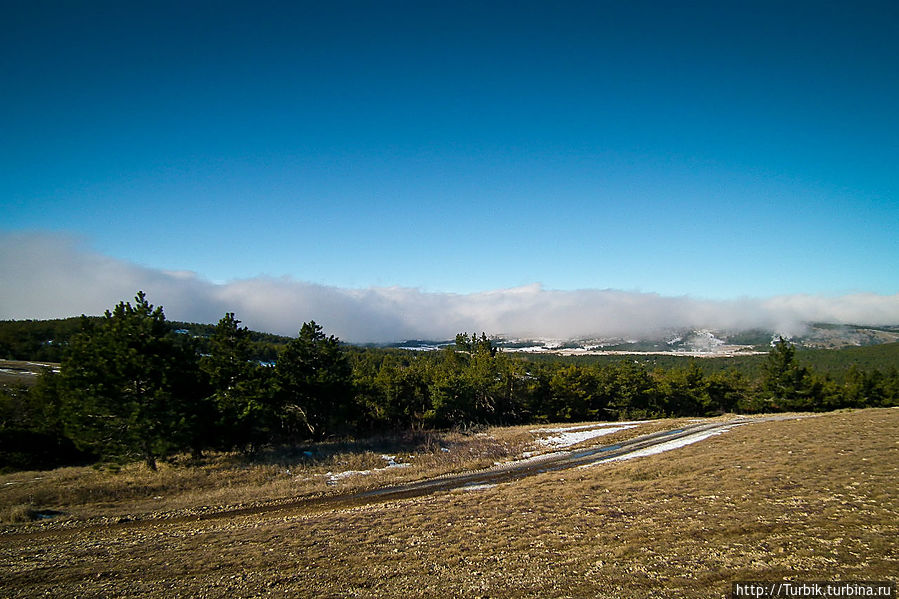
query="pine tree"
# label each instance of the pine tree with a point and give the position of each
(125, 385)
(314, 384)
(241, 395)
(787, 385)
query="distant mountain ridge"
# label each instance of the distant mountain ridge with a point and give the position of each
(691, 341)
(46, 339)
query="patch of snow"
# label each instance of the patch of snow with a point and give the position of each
(704, 341)
(565, 429)
(666, 446)
(567, 439)
(334, 478)
(392, 463)
(528, 349)
(477, 487)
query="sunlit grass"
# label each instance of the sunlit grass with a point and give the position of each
(811, 499)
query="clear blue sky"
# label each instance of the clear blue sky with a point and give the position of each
(715, 149)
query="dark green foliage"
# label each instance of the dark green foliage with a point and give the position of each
(260, 347)
(26, 449)
(685, 392)
(241, 410)
(836, 363)
(575, 395)
(135, 385)
(471, 345)
(630, 392)
(40, 340)
(313, 382)
(399, 393)
(15, 409)
(126, 385)
(31, 430)
(728, 391)
(786, 384)
(47, 340)
(474, 385)
(869, 388)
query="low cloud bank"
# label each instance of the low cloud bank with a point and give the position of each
(49, 276)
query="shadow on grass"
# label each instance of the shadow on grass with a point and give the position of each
(321, 452)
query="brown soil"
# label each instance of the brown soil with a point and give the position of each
(812, 499)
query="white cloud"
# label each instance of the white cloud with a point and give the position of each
(49, 276)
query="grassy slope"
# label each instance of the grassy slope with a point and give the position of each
(806, 499)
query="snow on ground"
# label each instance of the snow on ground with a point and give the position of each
(392, 463)
(565, 429)
(666, 446)
(333, 478)
(566, 439)
(477, 487)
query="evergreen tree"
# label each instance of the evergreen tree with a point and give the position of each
(728, 392)
(787, 385)
(126, 385)
(314, 385)
(864, 389)
(484, 381)
(404, 393)
(449, 391)
(241, 396)
(629, 391)
(575, 394)
(685, 391)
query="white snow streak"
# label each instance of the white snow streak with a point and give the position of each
(333, 478)
(565, 429)
(478, 487)
(567, 439)
(666, 446)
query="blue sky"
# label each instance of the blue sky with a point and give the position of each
(715, 150)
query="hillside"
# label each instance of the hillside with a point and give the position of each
(710, 342)
(45, 340)
(772, 500)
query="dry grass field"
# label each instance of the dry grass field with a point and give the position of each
(19, 372)
(814, 498)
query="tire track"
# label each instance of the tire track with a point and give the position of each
(508, 472)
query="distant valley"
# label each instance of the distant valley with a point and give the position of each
(692, 342)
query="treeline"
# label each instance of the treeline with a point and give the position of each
(41, 340)
(132, 386)
(47, 340)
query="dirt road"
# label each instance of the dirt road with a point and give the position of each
(765, 501)
(510, 471)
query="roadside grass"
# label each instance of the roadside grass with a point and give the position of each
(223, 480)
(809, 499)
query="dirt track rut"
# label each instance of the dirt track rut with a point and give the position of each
(558, 460)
